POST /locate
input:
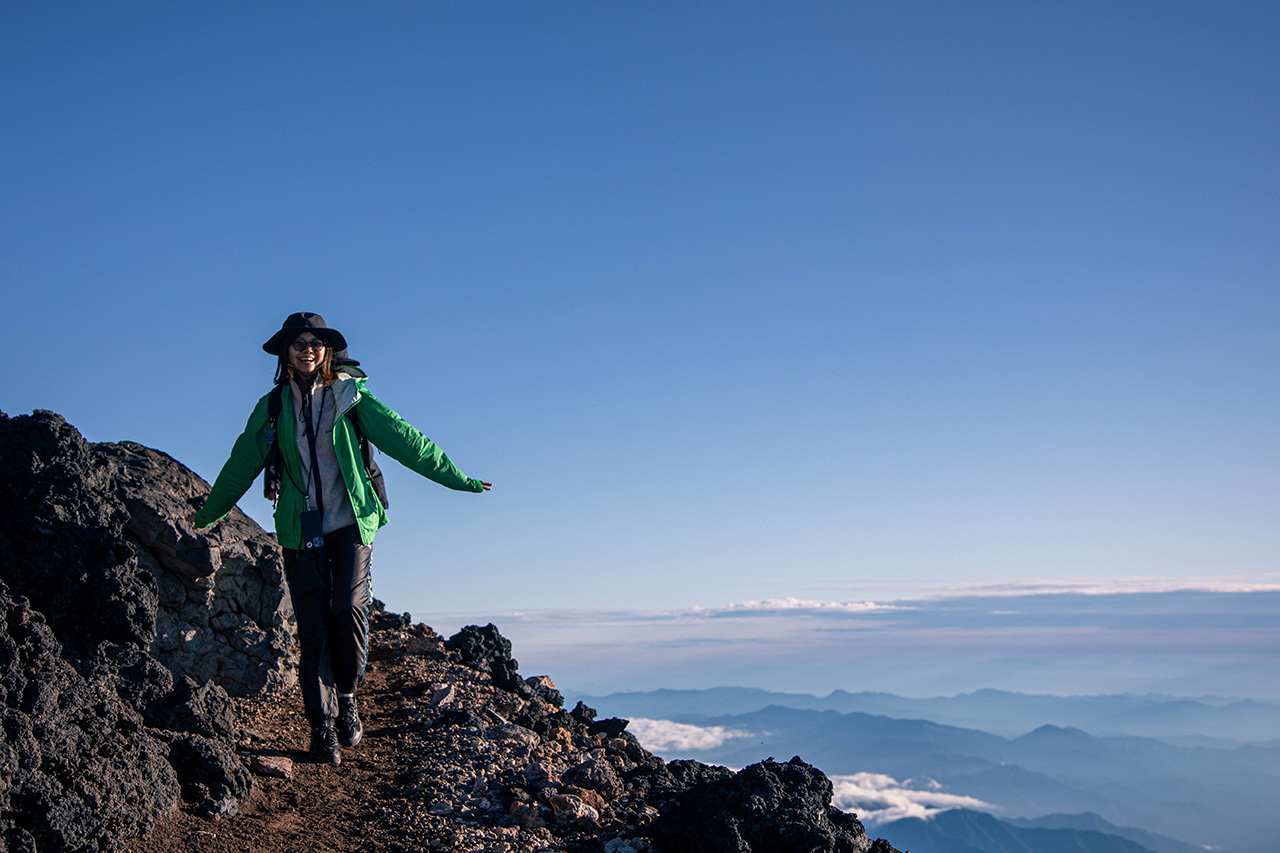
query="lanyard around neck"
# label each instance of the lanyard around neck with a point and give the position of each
(313, 476)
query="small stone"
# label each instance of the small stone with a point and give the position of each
(272, 765)
(570, 809)
(539, 775)
(422, 645)
(589, 797)
(596, 774)
(622, 845)
(519, 741)
(443, 696)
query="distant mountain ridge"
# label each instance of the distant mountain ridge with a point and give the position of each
(1092, 822)
(966, 831)
(1223, 797)
(1231, 721)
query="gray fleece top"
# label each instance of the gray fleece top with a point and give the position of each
(324, 410)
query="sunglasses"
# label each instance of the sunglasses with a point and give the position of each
(301, 345)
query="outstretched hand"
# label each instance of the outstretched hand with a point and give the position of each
(487, 486)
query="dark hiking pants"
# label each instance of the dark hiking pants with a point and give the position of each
(330, 592)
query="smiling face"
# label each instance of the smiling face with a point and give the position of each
(306, 354)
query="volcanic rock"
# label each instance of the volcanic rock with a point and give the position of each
(211, 774)
(488, 651)
(224, 613)
(778, 808)
(596, 774)
(95, 536)
(116, 616)
(545, 689)
(78, 769)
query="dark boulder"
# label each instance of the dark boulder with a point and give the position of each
(94, 535)
(62, 538)
(202, 709)
(686, 774)
(211, 774)
(487, 650)
(382, 621)
(80, 770)
(545, 689)
(480, 647)
(611, 727)
(764, 808)
(595, 774)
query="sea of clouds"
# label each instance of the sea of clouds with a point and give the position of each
(874, 797)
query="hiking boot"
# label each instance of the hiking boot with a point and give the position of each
(349, 728)
(324, 744)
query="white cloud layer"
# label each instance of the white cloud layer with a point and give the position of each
(877, 798)
(661, 736)
(803, 604)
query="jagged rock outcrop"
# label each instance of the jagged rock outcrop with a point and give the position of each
(223, 611)
(782, 808)
(107, 595)
(79, 771)
(489, 651)
(62, 538)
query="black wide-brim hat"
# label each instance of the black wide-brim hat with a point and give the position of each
(296, 324)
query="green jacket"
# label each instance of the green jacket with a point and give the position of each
(389, 432)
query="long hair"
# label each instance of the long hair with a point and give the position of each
(285, 371)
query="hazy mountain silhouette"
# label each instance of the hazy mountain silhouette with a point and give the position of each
(965, 831)
(1206, 719)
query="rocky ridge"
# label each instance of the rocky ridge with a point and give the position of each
(451, 761)
(111, 605)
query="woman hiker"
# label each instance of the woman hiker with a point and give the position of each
(327, 509)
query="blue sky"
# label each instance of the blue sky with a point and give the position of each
(732, 301)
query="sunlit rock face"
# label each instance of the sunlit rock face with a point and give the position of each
(94, 535)
(223, 612)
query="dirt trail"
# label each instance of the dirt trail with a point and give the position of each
(322, 809)
(415, 782)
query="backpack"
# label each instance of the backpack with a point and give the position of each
(272, 469)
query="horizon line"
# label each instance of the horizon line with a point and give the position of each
(790, 604)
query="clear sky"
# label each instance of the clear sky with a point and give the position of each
(732, 301)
